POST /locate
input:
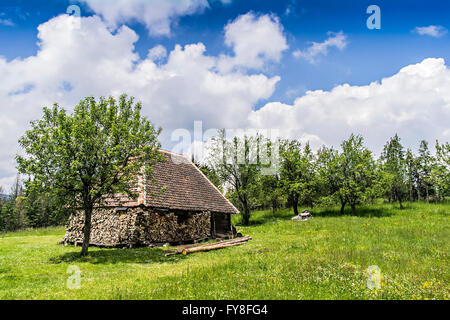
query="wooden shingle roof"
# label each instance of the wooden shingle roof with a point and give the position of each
(179, 185)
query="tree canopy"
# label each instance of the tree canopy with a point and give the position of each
(358, 169)
(95, 152)
(238, 165)
(394, 169)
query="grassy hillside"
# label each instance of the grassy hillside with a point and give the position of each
(323, 258)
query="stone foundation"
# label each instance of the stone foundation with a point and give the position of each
(139, 227)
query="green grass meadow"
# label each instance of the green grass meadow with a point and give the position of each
(322, 258)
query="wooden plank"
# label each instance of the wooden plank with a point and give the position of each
(215, 246)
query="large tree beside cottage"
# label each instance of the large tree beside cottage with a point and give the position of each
(237, 163)
(90, 154)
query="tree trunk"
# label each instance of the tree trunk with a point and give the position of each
(274, 206)
(86, 231)
(295, 204)
(400, 202)
(246, 214)
(343, 203)
(353, 209)
(398, 196)
(342, 207)
(426, 188)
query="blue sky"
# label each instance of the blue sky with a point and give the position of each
(369, 56)
(310, 69)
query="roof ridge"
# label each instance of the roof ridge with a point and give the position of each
(171, 152)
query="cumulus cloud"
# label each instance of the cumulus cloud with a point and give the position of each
(338, 40)
(255, 40)
(432, 31)
(157, 15)
(415, 103)
(78, 57)
(7, 22)
(157, 53)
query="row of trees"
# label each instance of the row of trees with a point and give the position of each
(22, 209)
(349, 177)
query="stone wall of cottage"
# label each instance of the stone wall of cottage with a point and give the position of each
(139, 227)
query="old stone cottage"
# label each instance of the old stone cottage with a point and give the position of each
(188, 208)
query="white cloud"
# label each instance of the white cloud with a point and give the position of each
(415, 103)
(73, 62)
(338, 40)
(157, 15)
(7, 22)
(255, 40)
(432, 31)
(157, 53)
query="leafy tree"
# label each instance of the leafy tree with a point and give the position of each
(357, 169)
(411, 173)
(308, 180)
(272, 194)
(12, 214)
(43, 210)
(330, 177)
(440, 171)
(93, 153)
(424, 163)
(35, 210)
(237, 164)
(290, 170)
(394, 169)
(298, 173)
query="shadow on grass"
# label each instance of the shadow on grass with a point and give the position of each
(264, 217)
(113, 256)
(257, 222)
(364, 212)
